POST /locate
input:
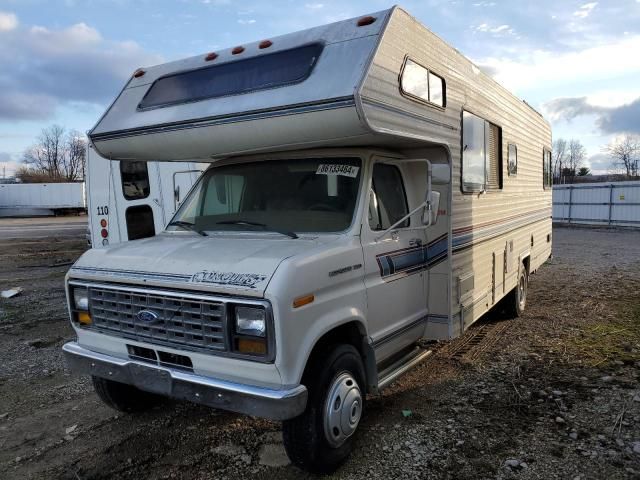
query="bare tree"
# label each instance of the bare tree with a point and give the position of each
(576, 155)
(625, 153)
(558, 159)
(56, 156)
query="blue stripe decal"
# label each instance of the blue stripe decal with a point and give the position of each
(414, 259)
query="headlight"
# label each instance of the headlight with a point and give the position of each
(251, 321)
(81, 298)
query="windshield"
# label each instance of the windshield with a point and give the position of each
(285, 196)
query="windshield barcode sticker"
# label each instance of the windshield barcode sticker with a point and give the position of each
(345, 170)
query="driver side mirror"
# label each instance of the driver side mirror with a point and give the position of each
(430, 211)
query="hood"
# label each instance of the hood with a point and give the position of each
(229, 264)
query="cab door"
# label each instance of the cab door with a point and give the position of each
(394, 275)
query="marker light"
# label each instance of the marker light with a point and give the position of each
(237, 50)
(103, 223)
(211, 56)
(366, 21)
(104, 233)
(265, 44)
(138, 73)
(302, 301)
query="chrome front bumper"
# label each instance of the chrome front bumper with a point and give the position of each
(236, 397)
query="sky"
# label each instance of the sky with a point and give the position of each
(63, 61)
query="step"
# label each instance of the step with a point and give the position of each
(394, 371)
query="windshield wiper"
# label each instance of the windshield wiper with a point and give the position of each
(256, 224)
(186, 226)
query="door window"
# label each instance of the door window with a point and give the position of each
(135, 180)
(388, 201)
(140, 222)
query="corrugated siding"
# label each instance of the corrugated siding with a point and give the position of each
(522, 196)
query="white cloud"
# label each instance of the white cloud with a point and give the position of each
(8, 21)
(497, 31)
(487, 4)
(543, 69)
(318, 6)
(243, 21)
(44, 68)
(585, 10)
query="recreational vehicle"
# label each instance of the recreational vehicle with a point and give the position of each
(133, 200)
(368, 187)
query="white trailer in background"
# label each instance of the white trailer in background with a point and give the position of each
(605, 204)
(132, 200)
(41, 199)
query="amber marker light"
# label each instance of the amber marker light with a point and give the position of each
(138, 73)
(84, 318)
(366, 21)
(302, 301)
(252, 346)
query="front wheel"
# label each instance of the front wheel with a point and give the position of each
(321, 439)
(123, 397)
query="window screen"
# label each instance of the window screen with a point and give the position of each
(255, 73)
(513, 159)
(481, 154)
(135, 180)
(419, 82)
(140, 222)
(388, 199)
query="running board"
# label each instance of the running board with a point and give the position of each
(394, 371)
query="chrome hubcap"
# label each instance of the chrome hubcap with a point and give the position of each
(343, 409)
(522, 292)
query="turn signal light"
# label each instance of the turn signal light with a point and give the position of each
(84, 318)
(103, 223)
(252, 346)
(302, 301)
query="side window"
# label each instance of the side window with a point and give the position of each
(139, 222)
(223, 194)
(547, 178)
(135, 180)
(388, 201)
(481, 159)
(513, 159)
(420, 83)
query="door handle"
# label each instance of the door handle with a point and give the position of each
(415, 242)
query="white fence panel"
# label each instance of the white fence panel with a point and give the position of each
(615, 204)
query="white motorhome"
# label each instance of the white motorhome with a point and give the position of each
(133, 200)
(369, 187)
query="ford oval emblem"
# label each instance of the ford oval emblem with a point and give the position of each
(147, 316)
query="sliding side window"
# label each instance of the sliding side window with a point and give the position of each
(481, 154)
(422, 84)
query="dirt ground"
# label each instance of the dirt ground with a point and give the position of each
(553, 394)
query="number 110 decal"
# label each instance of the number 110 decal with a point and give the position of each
(103, 210)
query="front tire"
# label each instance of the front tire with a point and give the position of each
(123, 397)
(321, 439)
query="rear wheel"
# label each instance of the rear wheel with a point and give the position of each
(321, 439)
(123, 397)
(516, 301)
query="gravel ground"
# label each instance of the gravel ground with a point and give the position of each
(554, 394)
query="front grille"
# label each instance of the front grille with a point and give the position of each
(175, 321)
